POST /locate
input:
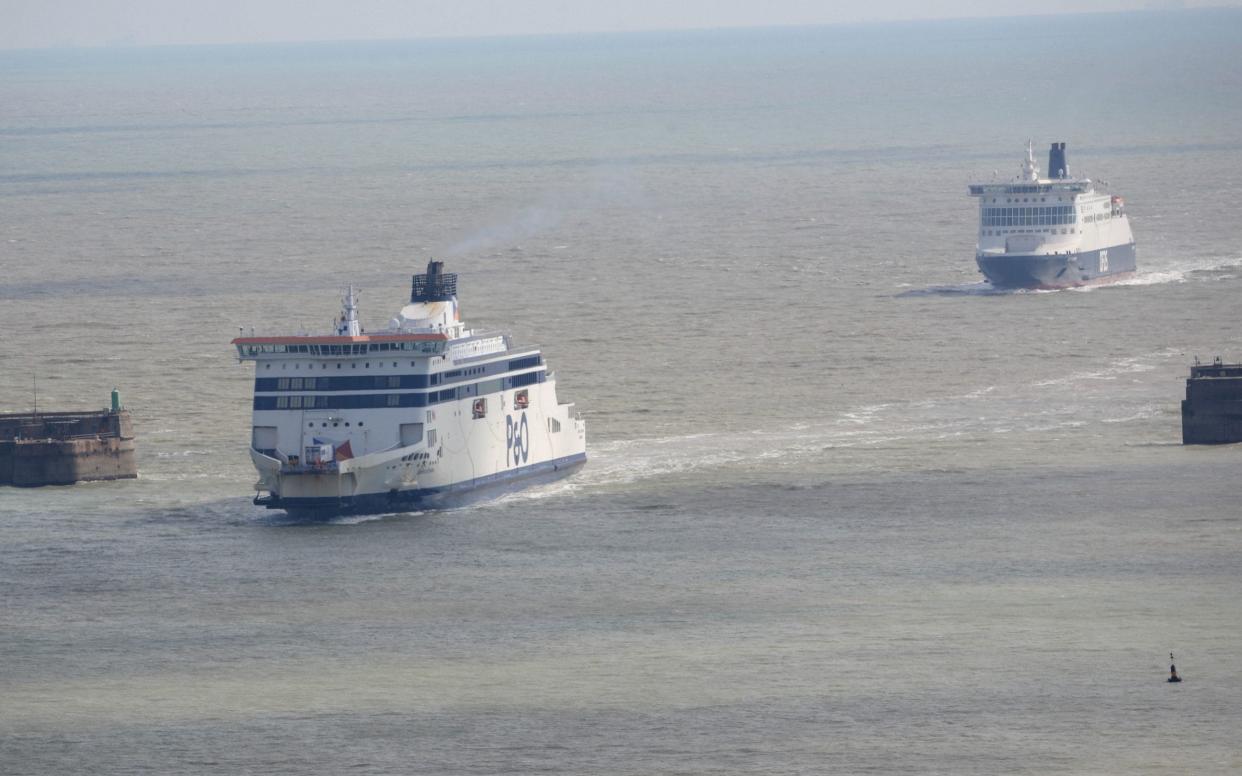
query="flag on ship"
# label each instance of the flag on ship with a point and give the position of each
(340, 452)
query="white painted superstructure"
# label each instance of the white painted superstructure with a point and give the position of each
(401, 418)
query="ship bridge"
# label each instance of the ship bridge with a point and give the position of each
(338, 346)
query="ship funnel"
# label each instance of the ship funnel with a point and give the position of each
(1057, 168)
(435, 286)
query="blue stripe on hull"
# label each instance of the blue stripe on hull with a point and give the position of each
(425, 498)
(1064, 270)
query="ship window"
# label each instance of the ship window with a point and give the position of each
(282, 384)
(282, 402)
(554, 425)
(411, 433)
(295, 402)
(524, 363)
(394, 399)
(295, 384)
(431, 437)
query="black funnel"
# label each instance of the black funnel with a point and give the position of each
(1057, 168)
(436, 286)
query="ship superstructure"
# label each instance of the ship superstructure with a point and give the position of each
(1053, 232)
(353, 422)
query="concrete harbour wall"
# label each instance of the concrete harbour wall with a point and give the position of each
(66, 447)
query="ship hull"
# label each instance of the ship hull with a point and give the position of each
(472, 457)
(1058, 270)
(417, 498)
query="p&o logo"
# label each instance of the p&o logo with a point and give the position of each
(517, 440)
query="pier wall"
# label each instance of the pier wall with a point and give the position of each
(62, 448)
(1212, 410)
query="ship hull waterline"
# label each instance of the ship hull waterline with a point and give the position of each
(1056, 271)
(450, 496)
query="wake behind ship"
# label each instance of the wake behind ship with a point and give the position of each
(1054, 232)
(403, 418)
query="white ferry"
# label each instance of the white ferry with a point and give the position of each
(355, 422)
(1052, 232)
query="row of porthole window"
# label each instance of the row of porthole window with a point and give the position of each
(335, 424)
(366, 365)
(322, 402)
(998, 232)
(1027, 199)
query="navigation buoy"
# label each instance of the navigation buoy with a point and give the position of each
(1173, 677)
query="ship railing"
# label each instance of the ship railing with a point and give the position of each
(331, 467)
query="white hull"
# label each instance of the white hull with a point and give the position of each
(467, 452)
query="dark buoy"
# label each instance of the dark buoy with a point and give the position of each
(1173, 677)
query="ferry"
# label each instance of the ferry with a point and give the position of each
(411, 417)
(1054, 232)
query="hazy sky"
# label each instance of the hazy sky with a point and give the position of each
(44, 23)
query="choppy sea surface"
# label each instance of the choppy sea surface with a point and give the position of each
(847, 509)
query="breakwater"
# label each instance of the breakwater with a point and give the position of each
(61, 448)
(1212, 409)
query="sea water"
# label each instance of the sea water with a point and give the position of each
(847, 509)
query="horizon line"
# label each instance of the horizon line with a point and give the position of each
(122, 45)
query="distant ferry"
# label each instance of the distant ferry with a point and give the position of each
(1053, 232)
(403, 418)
